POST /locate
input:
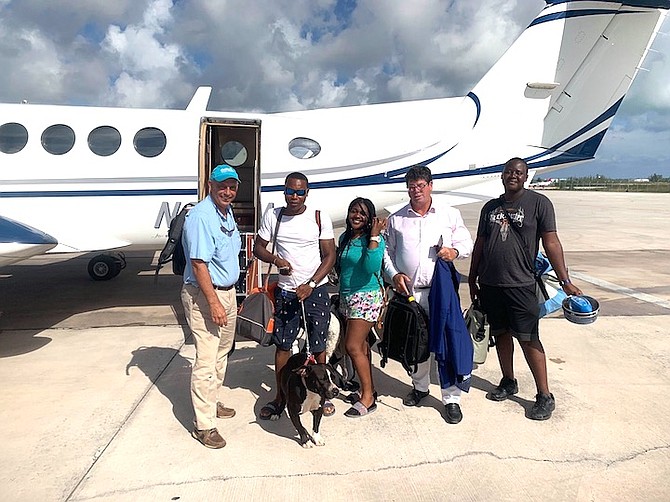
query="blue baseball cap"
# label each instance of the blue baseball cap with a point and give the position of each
(223, 172)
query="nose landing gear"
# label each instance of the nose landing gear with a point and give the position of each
(104, 267)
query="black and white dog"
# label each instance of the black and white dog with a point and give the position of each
(305, 386)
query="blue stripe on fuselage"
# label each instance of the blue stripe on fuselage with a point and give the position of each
(478, 104)
(572, 13)
(99, 193)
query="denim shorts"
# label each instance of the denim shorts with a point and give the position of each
(288, 318)
(365, 305)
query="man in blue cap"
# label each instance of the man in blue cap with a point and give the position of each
(211, 245)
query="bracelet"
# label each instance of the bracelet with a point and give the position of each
(564, 282)
(274, 260)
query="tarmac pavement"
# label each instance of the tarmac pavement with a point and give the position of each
(95, 392)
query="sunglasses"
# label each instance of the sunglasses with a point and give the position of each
(291, 191)
(228, 232)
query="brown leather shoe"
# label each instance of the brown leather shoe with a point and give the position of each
(223, 412)
(210, 438)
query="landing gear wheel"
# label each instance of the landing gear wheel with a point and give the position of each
(104, 267)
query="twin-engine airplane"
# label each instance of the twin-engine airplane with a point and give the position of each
(76, 179)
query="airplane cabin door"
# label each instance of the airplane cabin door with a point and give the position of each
(236, 143)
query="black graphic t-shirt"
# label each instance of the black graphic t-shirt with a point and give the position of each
(503, 262)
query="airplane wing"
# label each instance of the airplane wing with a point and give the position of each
(19, 241)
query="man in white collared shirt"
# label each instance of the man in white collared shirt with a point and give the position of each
(417, 235)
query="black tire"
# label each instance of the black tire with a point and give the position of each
(104, 267)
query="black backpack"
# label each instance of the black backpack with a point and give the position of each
(406, 338)
(174, 250)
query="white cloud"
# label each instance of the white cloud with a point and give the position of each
(148, 66)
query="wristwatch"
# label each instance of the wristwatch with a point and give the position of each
(564, 282)
(376, 238)
(311, 283)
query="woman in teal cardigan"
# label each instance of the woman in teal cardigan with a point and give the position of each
(359, 260)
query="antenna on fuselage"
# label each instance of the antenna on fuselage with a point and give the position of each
(200, 99)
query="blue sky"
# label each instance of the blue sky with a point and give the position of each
(282, 55)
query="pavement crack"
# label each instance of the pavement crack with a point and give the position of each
(101, 451)
(89, 327)
(226, 478)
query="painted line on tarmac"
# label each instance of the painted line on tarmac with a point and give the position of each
(622, 290)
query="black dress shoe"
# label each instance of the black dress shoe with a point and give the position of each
(413, 398)
(454, 414)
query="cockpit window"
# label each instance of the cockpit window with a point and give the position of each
(304, 148)
(58, 139)
(150, 142)
(13, 137)
(104, 140)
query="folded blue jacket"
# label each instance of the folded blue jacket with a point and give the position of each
(449, 337)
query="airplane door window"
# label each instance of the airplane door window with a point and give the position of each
(104, 140)
(13, 137)
(234, 153)
(58, 139)
(150, 142)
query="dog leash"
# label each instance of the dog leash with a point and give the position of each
(310, 357)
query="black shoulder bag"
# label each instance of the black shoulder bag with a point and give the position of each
(529, 260)
(255, 316)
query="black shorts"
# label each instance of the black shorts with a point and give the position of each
(288, 318)
(512, 309)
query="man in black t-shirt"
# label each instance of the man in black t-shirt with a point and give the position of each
(501, 277)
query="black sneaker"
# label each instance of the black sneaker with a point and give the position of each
(506, 388)
(414, 397)
(544, 405)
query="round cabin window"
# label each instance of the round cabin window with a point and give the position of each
(304, 148)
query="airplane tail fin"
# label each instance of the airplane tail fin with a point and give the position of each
(560, 84)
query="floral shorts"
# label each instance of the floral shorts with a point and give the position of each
(365, 305)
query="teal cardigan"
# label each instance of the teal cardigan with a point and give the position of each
(360, 267)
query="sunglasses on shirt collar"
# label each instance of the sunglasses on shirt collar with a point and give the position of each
(291, 191)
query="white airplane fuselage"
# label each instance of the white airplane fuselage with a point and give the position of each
(91, 202)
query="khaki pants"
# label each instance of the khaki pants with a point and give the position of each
(212, 345)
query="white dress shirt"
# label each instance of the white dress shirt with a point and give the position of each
(412, 239)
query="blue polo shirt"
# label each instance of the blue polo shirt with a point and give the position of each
(212, 237)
